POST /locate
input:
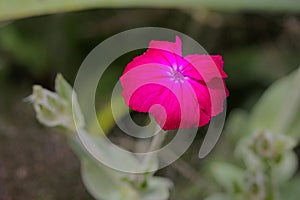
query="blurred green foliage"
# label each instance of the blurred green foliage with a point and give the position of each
(57, 109)
(259, 40)
(18, 9)
(263, 142)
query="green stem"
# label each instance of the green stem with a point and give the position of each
(155, 143)
(272, 185)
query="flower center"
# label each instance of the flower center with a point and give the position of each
(176, 74)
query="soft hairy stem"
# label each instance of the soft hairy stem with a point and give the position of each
(272, 187)
(156, 142)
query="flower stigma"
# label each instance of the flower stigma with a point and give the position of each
(176, 74)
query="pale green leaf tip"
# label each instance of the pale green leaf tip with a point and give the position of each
(59, 80)
(30, 98)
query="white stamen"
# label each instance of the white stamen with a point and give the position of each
(174, 66)
(176, 74)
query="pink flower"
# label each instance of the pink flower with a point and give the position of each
(180, 92)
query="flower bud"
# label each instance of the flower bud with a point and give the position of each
(270, 146)
(55, 109)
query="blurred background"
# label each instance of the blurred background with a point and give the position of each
(36, 162)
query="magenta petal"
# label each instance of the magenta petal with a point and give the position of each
(179, 92)
(167, 114)
(148, 85)
(159, 52)
(204, 67)
(189, 105)
(143, 75)
(173, 47)
(211, 96)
